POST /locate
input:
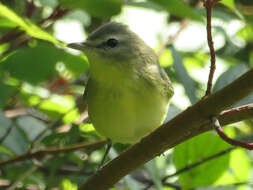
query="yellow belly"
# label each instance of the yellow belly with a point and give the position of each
(126, 114)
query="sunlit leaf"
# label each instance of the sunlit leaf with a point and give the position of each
(26, 25)
(68, 185)
(239, 169)
(229, 3)
(195, 150)
(57, 104)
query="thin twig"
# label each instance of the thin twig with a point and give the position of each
(229, 140)
(6, 134)
(53, 150)
(194, 165)
(27, 173)
(209, 5)
(50, 126)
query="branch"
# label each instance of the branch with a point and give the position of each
(209, 5)
(53, 150)
(184, 126)
(234, 142)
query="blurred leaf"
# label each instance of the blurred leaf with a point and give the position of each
(230, 75)
(145, 4)
(5, 23)
(229, 3)
(154, 173)
(239, 168)
(31, 126)
(5, 150)
(56, 105)
(15, 140)
(246, 33)
(172, 112)
(188, 83)
(36, 64)
(178, 8)
(86, 127)
(26, 25)
(6, 91)
(50, 3)
(60, 139)
(165, 59)
(97, 8)
(196, 149)
(68, 185)
(71, 117)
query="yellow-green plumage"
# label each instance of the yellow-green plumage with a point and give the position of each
(127, 92)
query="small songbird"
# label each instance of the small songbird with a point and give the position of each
(127, 92)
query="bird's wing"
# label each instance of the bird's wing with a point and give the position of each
(168, 85)
(85, 93)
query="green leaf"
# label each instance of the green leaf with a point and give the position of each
(239, 168)
(96, 8)
(154, 173)
(68, 185)
(178, 8)
(188, 83)
(62, 139)
(15, 141)
(196, 149)
(6, 151)
(230, 75)
(31, 126)
(26, 25)
(6, 91)
(229, 3)
(38, 63)
(145, 4)
(56, 105)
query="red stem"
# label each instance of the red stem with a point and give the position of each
(229, 140)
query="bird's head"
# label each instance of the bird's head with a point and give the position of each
(113, 42)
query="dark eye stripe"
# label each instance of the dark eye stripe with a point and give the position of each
(112, 42)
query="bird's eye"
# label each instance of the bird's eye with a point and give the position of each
(112, 42)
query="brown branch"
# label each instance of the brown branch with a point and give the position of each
(53, 150)
(209, 5)
(229, 116)
(184, 126)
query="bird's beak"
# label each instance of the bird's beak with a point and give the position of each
(79, 46)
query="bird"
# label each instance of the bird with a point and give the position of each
(127, 92)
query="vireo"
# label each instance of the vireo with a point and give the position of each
(127, 92)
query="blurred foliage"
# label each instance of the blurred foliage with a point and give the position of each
(41, 86)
